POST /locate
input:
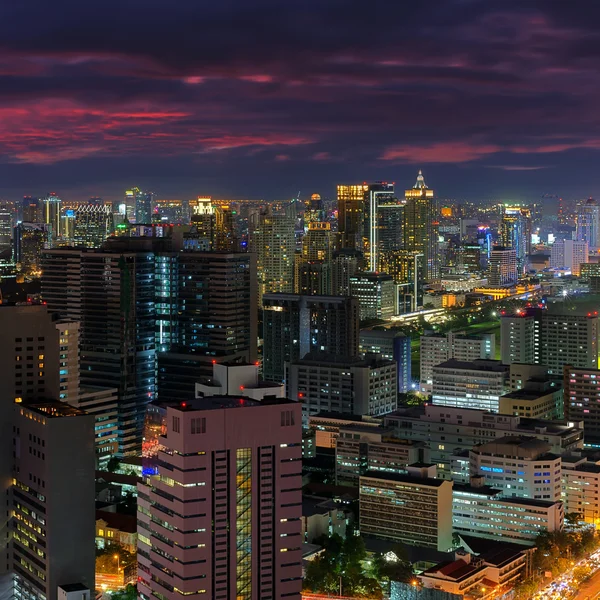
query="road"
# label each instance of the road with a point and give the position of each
(590, 589)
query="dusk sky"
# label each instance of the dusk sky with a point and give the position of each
(260, 99)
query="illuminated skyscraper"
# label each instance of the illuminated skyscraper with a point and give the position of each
(51, 214)
(503, 270)
(377, 195)
(31, 210)
(143, 206)
(225, 237)
(30, 239)
(93, 224)
(6, 228)
(515, 233)
(351, 215)
(421, 227)
(274, 243)
(588, 223)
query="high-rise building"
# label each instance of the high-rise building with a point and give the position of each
(295, 325)
(313, 278)
(351, 215)
(391, 345)
(503, 267)
(230, 471)
(141, 203)
(554, 337)
(226, 238)
(515, 233)
(588, 223)
(170, 211)
(421, 227)
(376, 295)
(377, 194)
(473, 384)
(30, 239)
(569, 254)
(582, 399)
(438, 348)
(346, 263)
(6, 228)
(340, 384)
(31, 211)
(51, 214)
(93, 224)
(273, 241)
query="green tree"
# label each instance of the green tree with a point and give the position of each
(113, 464)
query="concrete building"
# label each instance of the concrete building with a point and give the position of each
(483, 511)
(376, 294)
(581, 487)
(474, 384)
(582, 399)
(520, 373)
(237, 379)
(554, 337)
(569, 254)
(52, 499)
(519, 466)
(407, 509)
(327, 426)
(449, 430)
(361, 448)
(223, 515)
(391, 345)
(539, 398)
(345, 264)
(324, 382)
(438, 348)
(295, 325)
(323, 516)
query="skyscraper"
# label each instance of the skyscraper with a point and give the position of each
(421, 227)
(30, 240)
(273, 242)
(93, 224)
(231, 471)
(503, 269)
(351, 215)
(6, 228)
(51, 214)
(569, 254)
(515, 233)
(376, 295)
(588, 223)
(31, 210)
(296, 325)
(377, 194)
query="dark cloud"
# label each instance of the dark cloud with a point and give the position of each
(257, 98)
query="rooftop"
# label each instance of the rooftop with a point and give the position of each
(318, 358)
(54, 409)
(495, 366)
(222, 402)
(426, 481)
(456, 570)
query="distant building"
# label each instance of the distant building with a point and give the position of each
(582, 399)
(503, 267)
(569, 254)
(538, 399)
(376, 294)
(93, 224)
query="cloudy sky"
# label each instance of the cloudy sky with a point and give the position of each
(262, 98)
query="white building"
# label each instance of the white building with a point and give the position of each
(503, 270)
(581, 488)
(376, 293)
(438, 348)
(569, 254)
(519, 466)
(470, 384)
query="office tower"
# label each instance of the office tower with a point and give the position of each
(503, 267)
(6, 228)
(313, 278)
(377, 194)
(470, 384)
(407, 269)
(93, 224)
(68, 348)
(273, 241)
(112, 294)
(569, 254)
(421, 227)
(326, 382)
(351, 215)
(53, 511)
(407, 509)
(390, 228)
(469, 258)
(30, 239)
(226, 230)
(138, 205)
(376, 295)
(519, 338)
(582, 399)
(170, 211)
(295, 325)
(345, 264)
(515, 233)
(31, 210)
(588, 223)
(391, 345)
(230, 470)
(438, 348)
(313, 269)
(51, 213)
(537, 470)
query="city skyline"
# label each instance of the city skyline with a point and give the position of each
(492, 100)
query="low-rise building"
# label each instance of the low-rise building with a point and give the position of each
(539, 398)
(470, 384)
(324, 382)
(482, 511)
(362, 448)
(327, 426)
(116, 528)
(323, 516)
(407, 509)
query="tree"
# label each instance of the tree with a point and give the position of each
(113, 464)
(129, 593)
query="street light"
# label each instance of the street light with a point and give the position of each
(117, 558)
